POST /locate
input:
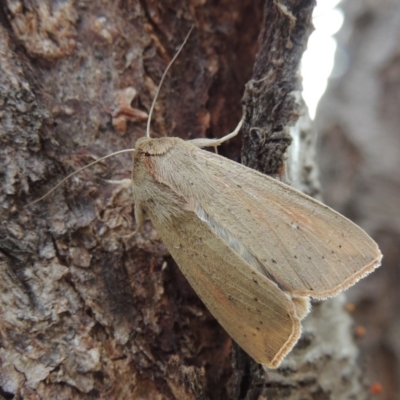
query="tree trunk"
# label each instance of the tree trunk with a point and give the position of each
(84, 314)
(359, 121)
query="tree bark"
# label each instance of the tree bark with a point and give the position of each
(85, 315)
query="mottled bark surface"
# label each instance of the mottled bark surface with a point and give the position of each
(83, 314)
(359, 154)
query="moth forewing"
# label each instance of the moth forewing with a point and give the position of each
(259, 316)
(301, 244)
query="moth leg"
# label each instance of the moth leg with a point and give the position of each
(217, 142)
(139, 217)
(122, 182)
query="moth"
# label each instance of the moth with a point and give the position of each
(253, 248)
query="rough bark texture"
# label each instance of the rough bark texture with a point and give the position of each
(359, 154)
(84, 315)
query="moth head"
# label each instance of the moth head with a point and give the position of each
(153, 147)
(145, 149)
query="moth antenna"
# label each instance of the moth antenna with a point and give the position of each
(77, 171)
(162, 80)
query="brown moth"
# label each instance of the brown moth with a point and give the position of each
(254, 249)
